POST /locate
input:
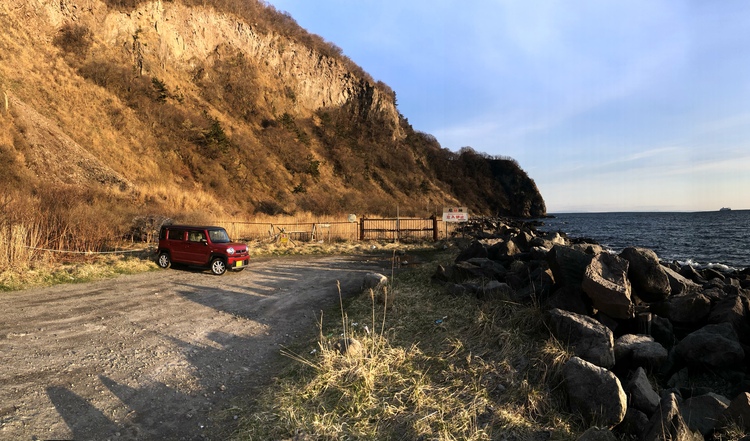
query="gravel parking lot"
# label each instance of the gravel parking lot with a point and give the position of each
(157, 355)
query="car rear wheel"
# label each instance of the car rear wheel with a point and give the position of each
(218, 266)
(164, 261)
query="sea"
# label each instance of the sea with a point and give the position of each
(719, 239)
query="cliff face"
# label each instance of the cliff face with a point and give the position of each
(175, 37)
(177, 108)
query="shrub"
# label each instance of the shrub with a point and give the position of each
(73, 39)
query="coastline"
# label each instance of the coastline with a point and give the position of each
(622, 316)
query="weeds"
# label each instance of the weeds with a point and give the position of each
(431, 366)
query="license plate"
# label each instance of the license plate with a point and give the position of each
(238, 264)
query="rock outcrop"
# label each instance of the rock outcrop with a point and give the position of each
(680, 335)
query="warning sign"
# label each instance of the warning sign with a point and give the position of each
(455, 214)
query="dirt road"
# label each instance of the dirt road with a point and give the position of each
(156, 355)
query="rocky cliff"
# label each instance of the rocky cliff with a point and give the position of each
(220, 108)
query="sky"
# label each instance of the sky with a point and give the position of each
(631, 105)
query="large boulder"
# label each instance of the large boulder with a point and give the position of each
(663, 331)
(680, 284)
(586, 337)
(733, 309)
(688, 309)
(606, 282)
(569, 298)
(568, 264)
(667, 424)
(635, 423)
(702, 412)
(594, 392)
(690, 273)
(475, 249)
(641, 394)
(505, 250)
(647, 276)
(737, 413)
(490, 269)
(640, 351)
(547, 241)
(712, 347)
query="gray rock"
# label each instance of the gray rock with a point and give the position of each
(490, 269)
(465, 270)
(641, 394)
(374, 281)
(475, 249)
(606, 282)
(734, 310)
(589, 339)
(640, 350)
(680, 379)
(569, 298)
(649, 280)
(349, 347)
(494, 290)
(680, 284)
(711, 274)
(685, 309)
(737, 413)
(635, 423)
(690, 273)
(712, 346)
(594, 392)
(662, 331)
(701, 413)
(568, 264)
(667, 424)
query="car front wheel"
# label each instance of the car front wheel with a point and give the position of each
(164, 261)
(218, 266)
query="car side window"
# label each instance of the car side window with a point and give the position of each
(176, 234)
(196, 236)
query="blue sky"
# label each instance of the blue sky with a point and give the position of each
(609, 106)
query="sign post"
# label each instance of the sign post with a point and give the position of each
(454, 214)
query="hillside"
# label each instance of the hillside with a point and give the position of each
(206, 109)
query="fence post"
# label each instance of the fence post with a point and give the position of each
(434, 228)
(362, 229)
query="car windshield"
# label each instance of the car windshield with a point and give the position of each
(219, 236)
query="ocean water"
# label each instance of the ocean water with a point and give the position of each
(712, 238)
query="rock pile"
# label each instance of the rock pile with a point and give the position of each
(660, 350)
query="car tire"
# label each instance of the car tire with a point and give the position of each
(164, 260)
(218, 266)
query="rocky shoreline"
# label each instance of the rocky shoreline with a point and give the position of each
(661, 350)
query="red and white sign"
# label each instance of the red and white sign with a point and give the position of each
(455, 214)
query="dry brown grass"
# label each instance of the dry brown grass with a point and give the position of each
(433, 367)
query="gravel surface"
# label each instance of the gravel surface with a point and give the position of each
(157, 355)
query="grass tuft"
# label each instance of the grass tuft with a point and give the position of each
(432, 366)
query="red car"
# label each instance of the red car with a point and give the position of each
(201, 246)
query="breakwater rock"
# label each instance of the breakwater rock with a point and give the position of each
(666, 347)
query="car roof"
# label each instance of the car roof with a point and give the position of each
(192, 227)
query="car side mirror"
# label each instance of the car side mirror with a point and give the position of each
(204, 242)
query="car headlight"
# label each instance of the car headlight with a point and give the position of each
(230, 251)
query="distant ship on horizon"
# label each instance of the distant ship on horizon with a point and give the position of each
(725, 209)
